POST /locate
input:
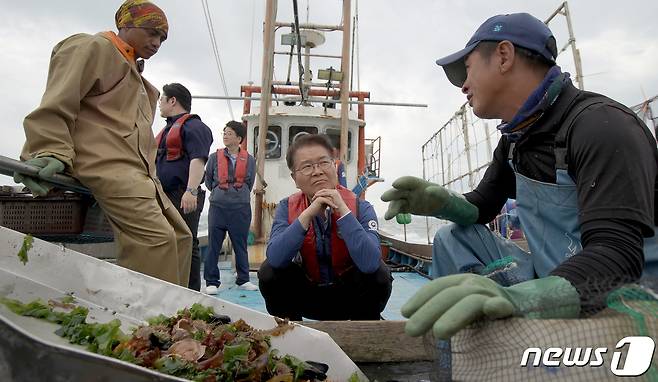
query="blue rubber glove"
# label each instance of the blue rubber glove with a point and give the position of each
(49, 167)
(420, 197)
(451, 303)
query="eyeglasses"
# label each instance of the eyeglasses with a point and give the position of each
(323, 165)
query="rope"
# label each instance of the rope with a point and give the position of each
(299, 53)
(215, 48)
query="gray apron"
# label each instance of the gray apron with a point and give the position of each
(549, 219)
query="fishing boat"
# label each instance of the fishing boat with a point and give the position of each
(322, 105)
(326, 104)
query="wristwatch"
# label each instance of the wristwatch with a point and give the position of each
(193, 191)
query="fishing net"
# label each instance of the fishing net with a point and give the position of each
(611, 310)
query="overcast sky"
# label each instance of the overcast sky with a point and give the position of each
(399, 42)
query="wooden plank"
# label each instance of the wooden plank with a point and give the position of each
(376, 341)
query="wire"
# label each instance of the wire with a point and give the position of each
(213, 43)
(299, 53)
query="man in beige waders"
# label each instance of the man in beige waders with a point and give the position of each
(94, 123)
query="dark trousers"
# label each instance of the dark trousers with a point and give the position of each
(192, 221)
(290, 294)
(236, 222)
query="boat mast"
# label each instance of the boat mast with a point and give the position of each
(263, 123)
(345, 84)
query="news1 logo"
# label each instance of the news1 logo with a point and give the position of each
(638, 356)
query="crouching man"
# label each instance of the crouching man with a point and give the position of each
(323, 257)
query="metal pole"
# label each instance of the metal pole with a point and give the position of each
(345, 85)
(488, 140)
(443, 168)
(298, 45)
(361, 162)
(352, 55)
(266, 97)
(308, 77)
(309, 54)
(9, 166)
(311, 26)
(548, 20)
(574, 50)
(427, 220)
(313, 92)
(563, 9)
(318, 100)
(467, 149)
(294, 83)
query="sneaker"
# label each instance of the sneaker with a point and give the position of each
(248, 286)
(211, 289)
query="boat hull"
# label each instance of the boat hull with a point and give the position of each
(109, 292)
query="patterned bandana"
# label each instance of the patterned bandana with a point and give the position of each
(537, 103)
(141, 14)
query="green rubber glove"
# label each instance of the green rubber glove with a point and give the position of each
(420, 197)
(49, 167)
(451, 303)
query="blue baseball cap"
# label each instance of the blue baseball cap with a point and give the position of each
(521, 29)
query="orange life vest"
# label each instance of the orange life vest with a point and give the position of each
(240, 168)
(340, 256)
(174, 143)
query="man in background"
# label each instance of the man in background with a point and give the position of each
(230, 176)
(183, 146)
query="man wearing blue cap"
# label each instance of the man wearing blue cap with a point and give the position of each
(584, 171)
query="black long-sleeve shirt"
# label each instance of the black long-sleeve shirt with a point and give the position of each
(613, 160)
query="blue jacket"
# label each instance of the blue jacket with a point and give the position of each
(231, 198)
(359, 233)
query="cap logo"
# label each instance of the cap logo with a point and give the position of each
(497, 28)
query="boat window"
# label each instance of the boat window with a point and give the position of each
(334, 137)
(298, 131)
(272, 142)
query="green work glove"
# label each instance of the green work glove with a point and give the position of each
(420, 197)
(49, 167)
(451, 303)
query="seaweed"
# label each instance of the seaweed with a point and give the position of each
(195, 344)
(27, 245)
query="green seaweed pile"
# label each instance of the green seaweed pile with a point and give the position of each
(195, 344)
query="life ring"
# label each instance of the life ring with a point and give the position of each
(273, 142)
(301, 133)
